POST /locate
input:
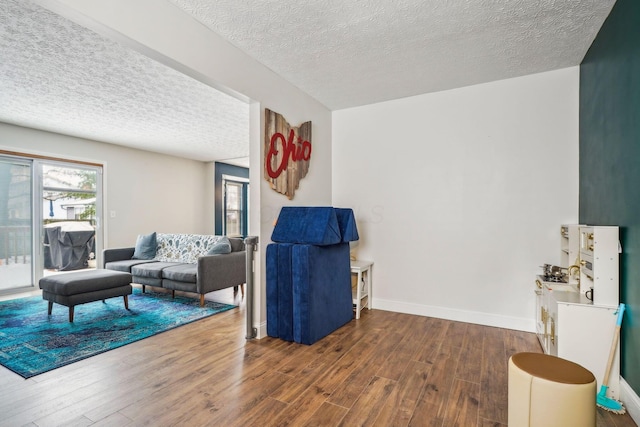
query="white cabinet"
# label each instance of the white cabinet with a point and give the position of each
(582, 332)
(569, 244)
(569, 325)
(599, 271)
(541, 318)
(570, 250)
(544, 303)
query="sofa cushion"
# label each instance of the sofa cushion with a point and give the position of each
(313, 225)
(279, 291)
(321, 282)
(152, 269)
(183, 247)
(347, 224)
(125, 265)
(222, 246)
(146, 245)
(181, 273)
(84, 281)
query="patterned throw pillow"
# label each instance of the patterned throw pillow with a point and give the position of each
(184, 247)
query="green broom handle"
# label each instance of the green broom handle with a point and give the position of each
(614, 344)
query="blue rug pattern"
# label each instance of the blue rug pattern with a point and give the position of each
(31, 342)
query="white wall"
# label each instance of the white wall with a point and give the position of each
(162, 31)
(450, 193)
(147, 191)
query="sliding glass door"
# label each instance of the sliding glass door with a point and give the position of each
(70, 200)
(16, 224)
(50, 219)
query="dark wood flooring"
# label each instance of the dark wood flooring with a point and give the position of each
(386, 369)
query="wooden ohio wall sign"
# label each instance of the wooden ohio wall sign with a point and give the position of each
(287, 151)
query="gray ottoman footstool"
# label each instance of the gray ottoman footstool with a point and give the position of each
(71, 289)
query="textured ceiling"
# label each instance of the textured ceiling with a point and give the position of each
(350, 53)
(58, 76)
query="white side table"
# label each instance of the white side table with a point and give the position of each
(362, 269)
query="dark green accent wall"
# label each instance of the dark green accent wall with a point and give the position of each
(610, 157)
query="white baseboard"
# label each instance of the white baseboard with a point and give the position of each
(261, 329)
(486, 319)
(631, 400)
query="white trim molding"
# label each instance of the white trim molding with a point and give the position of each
(630, 399)
(261, 329)
(486, 319)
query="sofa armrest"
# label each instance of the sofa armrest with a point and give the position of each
(117, 254)
(221, 271)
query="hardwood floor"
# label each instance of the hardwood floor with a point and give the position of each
(386, 369)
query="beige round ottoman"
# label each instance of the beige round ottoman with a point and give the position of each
(547, 391)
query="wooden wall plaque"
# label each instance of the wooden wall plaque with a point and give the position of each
(287, 152)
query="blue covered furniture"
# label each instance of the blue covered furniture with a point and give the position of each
(308, 273)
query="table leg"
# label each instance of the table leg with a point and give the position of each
(369, 289)
(359, 295)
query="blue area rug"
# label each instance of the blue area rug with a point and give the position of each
(32, 342)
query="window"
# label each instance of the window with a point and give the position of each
(231, 196)
(236, 198)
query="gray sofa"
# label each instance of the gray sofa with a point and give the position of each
(181, 263)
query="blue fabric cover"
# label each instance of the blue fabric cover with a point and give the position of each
(222, 246)
(321, 290)
(313, 225)
(272, 289)
(279, 291)
(347, 224)
(308, 273)
(146, 246)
